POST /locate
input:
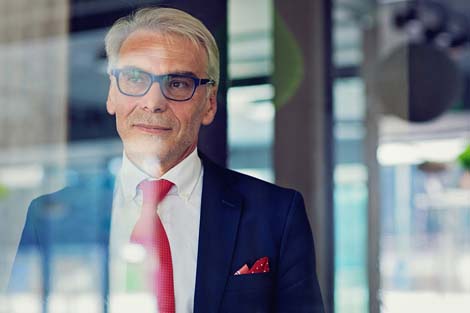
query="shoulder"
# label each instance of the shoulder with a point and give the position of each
(247, 182)
(76, 213)
(241, 180)
(251, 188)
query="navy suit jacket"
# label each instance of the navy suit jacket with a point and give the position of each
(242, 219)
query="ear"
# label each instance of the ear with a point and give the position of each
(110, 103)
(211, 107)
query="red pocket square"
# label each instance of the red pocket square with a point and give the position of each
(260, 266)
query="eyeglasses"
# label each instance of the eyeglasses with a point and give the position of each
(177, 87)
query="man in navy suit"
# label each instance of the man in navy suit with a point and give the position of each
(236, 243)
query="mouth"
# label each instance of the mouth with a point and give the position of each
(152, 129)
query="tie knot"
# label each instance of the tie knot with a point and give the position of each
(155, 191)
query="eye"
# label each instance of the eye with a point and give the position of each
(133, 76)
(177, 83)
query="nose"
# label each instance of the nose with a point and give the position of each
(154, 101)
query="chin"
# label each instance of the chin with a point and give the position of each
(145, 149)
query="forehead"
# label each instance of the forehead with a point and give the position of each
(162, 53)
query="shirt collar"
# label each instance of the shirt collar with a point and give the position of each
(184, 176)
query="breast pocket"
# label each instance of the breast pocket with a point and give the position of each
(249, 293)
(247, 282)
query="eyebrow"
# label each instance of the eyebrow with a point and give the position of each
(183, 73)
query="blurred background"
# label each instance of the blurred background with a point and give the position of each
(362, 105)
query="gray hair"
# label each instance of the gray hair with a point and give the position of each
(167, 21)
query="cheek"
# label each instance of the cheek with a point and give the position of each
(195, 124)
(188, 124)
(123, 121)
(124, 110)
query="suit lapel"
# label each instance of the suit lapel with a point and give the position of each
(220, 214)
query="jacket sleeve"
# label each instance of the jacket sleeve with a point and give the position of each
(297, 288)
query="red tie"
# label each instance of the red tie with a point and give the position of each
(149, 232)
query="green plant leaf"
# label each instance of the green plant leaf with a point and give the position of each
(464, 158)
(289, 67)
(3, 192)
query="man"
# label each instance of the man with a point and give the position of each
(231, 243)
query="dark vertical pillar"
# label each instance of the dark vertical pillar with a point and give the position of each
(374, 112)
(303, 146)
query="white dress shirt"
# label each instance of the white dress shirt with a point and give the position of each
(180, 214)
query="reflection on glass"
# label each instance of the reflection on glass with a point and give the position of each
(350, 197)
(425, 251)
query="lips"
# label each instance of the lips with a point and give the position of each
(149, 128)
